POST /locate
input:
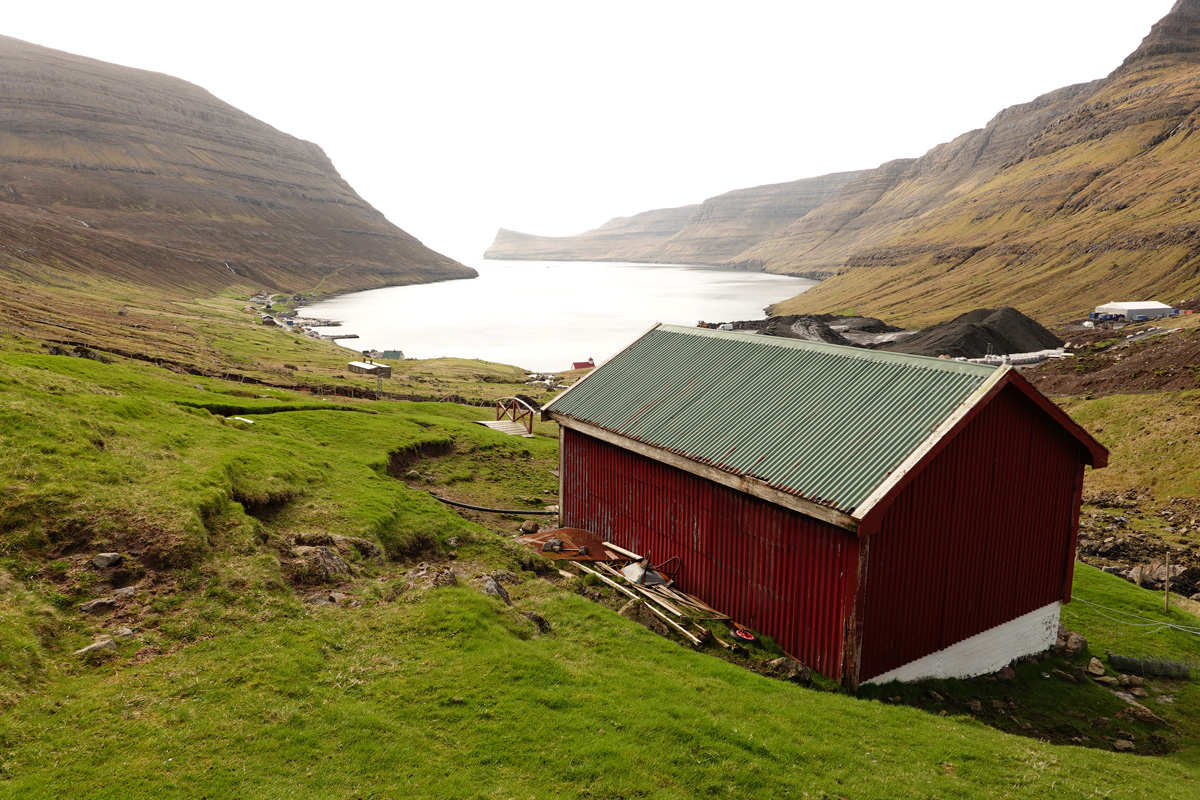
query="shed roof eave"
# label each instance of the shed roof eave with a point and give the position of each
(547, 415)
(741, 483)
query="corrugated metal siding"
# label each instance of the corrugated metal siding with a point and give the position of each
(769, 568)
(822, 422)
(980, 537)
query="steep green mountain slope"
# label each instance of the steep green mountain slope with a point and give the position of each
(1102, 203)
(1085, 195)
(117, 172)
(889, 200)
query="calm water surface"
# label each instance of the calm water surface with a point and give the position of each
(543, 315)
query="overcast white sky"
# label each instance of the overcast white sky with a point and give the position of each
(456, 118)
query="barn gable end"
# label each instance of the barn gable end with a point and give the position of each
(984, 534)
(864, 509)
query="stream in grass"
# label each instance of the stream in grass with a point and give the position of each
(544, 315)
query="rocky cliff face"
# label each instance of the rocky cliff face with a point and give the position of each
(1176, 33)
(620, 239)
(815, 227)
(714, 232)
(726, 225)
(886, 200)
(1100, 202)
(117, 172)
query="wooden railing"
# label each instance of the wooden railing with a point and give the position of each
(515, 409)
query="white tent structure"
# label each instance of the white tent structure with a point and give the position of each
(1149, 309)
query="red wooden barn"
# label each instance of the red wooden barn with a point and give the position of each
(881, 516)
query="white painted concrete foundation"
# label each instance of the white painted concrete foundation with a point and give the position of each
(985, 652)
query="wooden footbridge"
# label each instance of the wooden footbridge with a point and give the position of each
(513, 416)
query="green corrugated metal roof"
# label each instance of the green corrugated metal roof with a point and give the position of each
(820, 421)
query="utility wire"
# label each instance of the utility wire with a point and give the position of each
(1146, 622)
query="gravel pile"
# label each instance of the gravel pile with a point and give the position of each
(1004, 330)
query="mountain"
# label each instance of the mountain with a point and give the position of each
(620, 239)
(114, 172)
(1087, 194)
(713, 232)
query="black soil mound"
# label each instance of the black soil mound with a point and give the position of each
(999, 331)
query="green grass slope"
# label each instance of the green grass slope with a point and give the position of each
(452, 694)
(233, 685)
(238, 677)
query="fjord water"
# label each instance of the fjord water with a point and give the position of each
(543, 315)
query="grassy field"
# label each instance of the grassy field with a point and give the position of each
(238, 677)
(449, 693)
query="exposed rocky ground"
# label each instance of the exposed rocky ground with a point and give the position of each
(1108, 540)
(829, 328)
(1163, 363)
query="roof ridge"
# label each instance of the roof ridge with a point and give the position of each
(842, 351)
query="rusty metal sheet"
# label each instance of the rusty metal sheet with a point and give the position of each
(572, 538)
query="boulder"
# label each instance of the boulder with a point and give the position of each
(445, 577)
(1106, 680)
(1139, 712)
(322, 561)
(1122, 745)
(493, 587)
(99, 604)
(105, 560)
(97, 646)
(1094, 667)
(1076, 644)
(345, 545)
(529, 526)
(792, 670)
(124, 591)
